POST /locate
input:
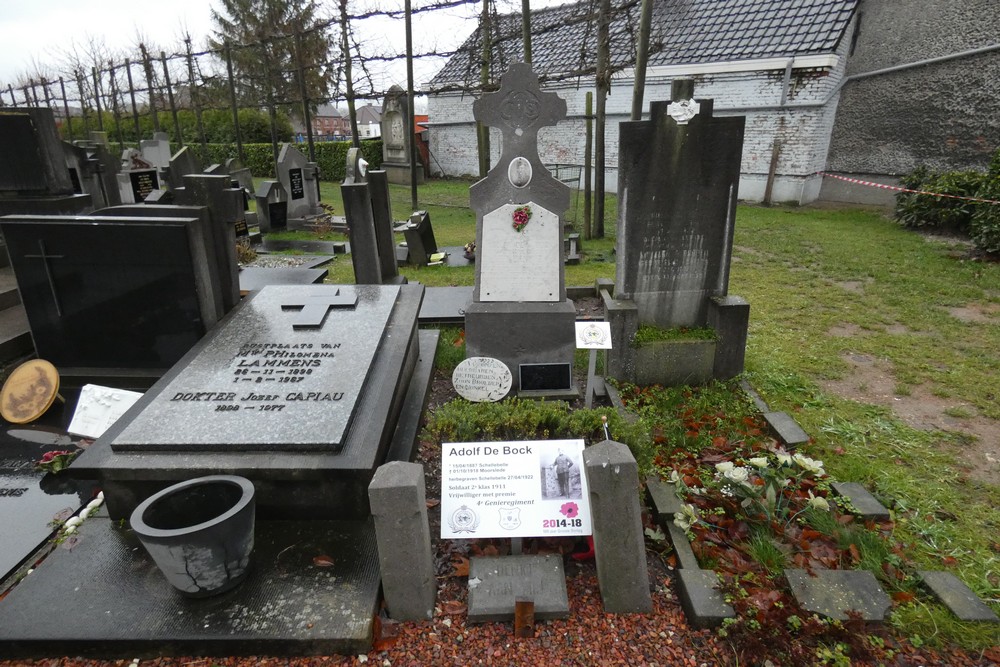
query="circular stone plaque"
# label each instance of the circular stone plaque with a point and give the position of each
(482, 379)
(29, 391)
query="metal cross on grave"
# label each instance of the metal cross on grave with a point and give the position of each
(48, 272)
(314, 309)
(519, 109)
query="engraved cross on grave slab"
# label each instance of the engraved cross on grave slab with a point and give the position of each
(312, 310)
(519, 205)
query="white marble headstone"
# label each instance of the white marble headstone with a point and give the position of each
(99, 408)
(520, 265)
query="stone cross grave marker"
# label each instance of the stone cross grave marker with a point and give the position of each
(519, 313)
(519, 264)
(313, 309)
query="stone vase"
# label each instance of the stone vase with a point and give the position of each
(199, 532)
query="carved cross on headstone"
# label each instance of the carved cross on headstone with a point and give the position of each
(48, 272)
(519, 109)
(314, 309)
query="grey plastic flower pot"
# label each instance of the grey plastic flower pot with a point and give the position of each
(199, 532)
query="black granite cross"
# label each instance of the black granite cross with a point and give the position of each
(314, 309)
(48, 271)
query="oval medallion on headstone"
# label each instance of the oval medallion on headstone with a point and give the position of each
(482, 379)
(519, 172)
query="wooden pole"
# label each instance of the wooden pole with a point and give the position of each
(588, 168)
(482, 131)
(641, 58)
(526, 29)
(411, 143)
(603, 84)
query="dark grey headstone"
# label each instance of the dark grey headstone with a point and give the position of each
(420, 241)
(378, 190)
(182, 164)
(495, 584)
(33, 162)
(300, 178)
(142, 182)
(361, 230)
(396, 138)
(272, 206)
(955, 595)
(117, 604)
(833, 593)
(253, 278)
(677, 186)
(445, 305)
(97, 278)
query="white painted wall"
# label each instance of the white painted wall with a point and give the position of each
(802, 125)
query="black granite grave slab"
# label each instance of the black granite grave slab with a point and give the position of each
(216, 412)
(254, 278)
(320, 247)
(30, 499)
(105, 598)
(113, 293)
(445, 305)
(496, 583)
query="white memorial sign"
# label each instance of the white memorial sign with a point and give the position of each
(482, 379)
(531, 488)
(98, 408)
(593, 335)
(520, 265)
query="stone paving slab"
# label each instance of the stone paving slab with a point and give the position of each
(786, 428)
(867, 506)
(958, 597)
(105, 598)
(703, 604)
(495, 583)
(832, 593)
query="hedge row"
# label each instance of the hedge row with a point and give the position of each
(331, 156)
(980, 221)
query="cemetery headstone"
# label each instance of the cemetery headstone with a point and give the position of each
(272, 206)
(228, 225)
(369, 223)
(316, 373)
(396, 139)
(675, 229)
(481, 379)
(181, 164)
(34, 178)
(95, 302)
(156, 151)
(520, 313)
(419, 236)
(300, 178)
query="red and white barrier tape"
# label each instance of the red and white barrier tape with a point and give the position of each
(899, 189)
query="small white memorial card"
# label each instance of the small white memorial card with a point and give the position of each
(593, 335)
(98, 408)
(531, 488)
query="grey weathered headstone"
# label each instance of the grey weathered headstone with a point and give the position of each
(87, 171)
(182, 163)
(406, 558)
(868, 507)
(786, 428)
(396, 140)
(156, 151)
(300, 178)
(378, 191)
(619, 542)
(420, 241)
(520, 313)
(702, 601)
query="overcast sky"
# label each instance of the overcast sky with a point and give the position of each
(35, 33)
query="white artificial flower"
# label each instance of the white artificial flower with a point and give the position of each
(687, 517)
(784, 458)
(811, 465)
(759, 461)
(674, 477)
(818, 502)
(739, 475)
(725, 466)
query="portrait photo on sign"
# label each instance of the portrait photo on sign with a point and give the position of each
(560, 470)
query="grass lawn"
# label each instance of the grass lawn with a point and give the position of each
(870, 336)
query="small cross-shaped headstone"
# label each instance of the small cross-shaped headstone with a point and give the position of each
(314, 309)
